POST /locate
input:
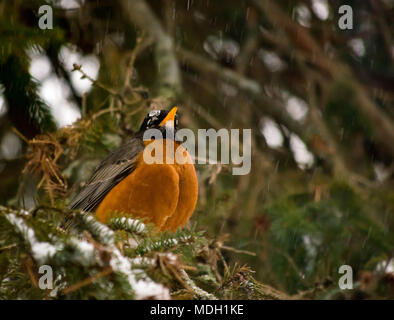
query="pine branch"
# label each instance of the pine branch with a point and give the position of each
(198, 292)
(130, 225)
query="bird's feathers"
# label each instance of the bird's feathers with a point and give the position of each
(118, 165)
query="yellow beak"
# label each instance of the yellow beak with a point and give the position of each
(170, 117)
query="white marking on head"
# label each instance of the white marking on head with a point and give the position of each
(154, 113)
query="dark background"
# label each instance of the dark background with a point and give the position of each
(319, 101)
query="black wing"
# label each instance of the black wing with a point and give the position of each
(118, 165)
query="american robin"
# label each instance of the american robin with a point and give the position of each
(124, 182)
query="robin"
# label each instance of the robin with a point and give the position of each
(162, 192)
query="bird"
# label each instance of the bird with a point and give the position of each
(164, 194)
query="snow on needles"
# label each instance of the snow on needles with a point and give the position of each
(143, 288)
(85, 254)
(41, 251)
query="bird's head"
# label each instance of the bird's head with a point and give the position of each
(161, 119)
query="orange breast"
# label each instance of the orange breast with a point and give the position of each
(164, 194)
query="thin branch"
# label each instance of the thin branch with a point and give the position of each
(87, 281)
(238, 251)
(8, 247)
(202, 64)
(333, 152)
(304, 42)
(140, 14)
(133, 55)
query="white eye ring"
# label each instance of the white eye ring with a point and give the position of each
(154, 113)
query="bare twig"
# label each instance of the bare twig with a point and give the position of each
(141, 15)
(238, 251)
(8, 247)
(87, 281)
